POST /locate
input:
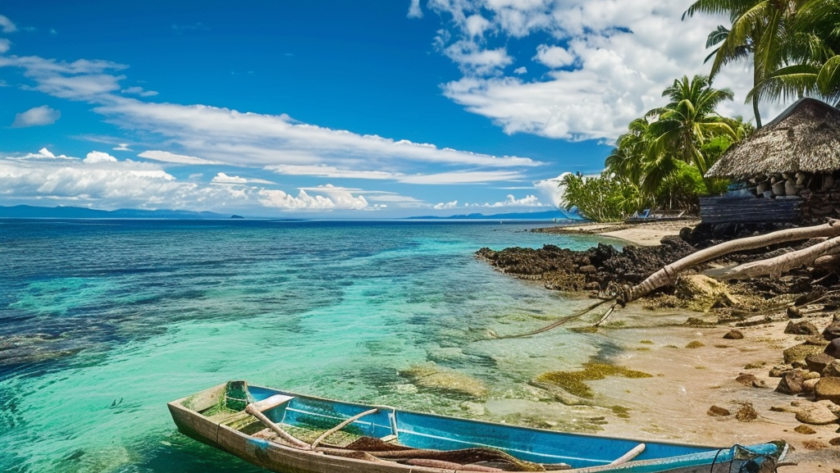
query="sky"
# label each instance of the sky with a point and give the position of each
(334, 109)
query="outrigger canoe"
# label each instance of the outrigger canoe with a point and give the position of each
(292, 433)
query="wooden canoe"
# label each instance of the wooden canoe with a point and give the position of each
(303, 417)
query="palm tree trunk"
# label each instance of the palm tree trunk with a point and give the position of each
(756, 112)
(781, 264)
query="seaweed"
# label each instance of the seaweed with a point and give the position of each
(575, 381)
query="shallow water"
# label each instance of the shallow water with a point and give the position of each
(103, 322)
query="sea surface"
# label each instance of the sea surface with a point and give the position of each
(102, 322)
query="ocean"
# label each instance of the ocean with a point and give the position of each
(102, 322)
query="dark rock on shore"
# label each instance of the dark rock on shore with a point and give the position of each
(801, 328)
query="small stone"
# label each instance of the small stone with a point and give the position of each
(794, 313)
(808, 385)
(804, 429)
(828, 389)
(592, 286)
(832, 370)
(746, 379)
(791, 383)
(814, 445)
(818, 362)
(756, 365)
(832, 332)
(800, 365)
(802, 328)
(734, 335)
(779, 370)
(815, 414)
(833, 348)
(746, 413)
(695, 344)
(836, 442)
(716, 411)
(811, 375)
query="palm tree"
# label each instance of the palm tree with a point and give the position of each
(627, 159)
(813, 56)
(684, 125)
(759, 27)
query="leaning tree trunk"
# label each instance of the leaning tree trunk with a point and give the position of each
(781, 264)
(668, 274)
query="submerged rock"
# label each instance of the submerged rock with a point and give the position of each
(433, 377)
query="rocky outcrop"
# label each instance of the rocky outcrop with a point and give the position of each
(828, 389)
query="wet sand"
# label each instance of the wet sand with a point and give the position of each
(686, 382)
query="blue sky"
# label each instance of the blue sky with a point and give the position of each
(365, 109)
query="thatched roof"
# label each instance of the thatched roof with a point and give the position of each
(805, 137)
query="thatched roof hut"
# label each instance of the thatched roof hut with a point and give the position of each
(804, 138)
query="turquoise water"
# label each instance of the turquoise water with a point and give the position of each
(103, 322)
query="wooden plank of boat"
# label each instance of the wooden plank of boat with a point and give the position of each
(203, 417)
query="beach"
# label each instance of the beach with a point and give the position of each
(640, 234)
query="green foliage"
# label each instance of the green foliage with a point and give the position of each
(603, 198)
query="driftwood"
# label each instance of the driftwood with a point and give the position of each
(774, 267)
(668, 275)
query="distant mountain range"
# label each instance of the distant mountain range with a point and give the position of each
(29, 211)
(548, 215)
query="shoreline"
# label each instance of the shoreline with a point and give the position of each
(639, 234)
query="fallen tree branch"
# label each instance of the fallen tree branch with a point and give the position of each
(774, 267)
(668, 274)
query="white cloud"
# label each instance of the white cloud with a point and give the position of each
(521, 70)
(6, 25)
(222, 178)
(553, 56)
(37, 116)
(321, 170)
(139, 91)
(511, 201)
(336, 199)
(77, 80)
(447, 205)
(475, 60)
(414, 10)
(5, 44)
(475, 177)
(99, 157)
(551, 190)
(43, 153)
(622, 53)
(167, 157)
(122, 147)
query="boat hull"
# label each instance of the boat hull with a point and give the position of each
(284, 459)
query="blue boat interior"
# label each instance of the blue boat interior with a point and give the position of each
(427, 431)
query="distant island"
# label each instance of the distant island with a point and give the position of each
(29, 211)
(548, 215)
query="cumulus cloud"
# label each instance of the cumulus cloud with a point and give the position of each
(511, 201)
(5, 44)
(446, 205)
(167, 157)
(616, 58)
(521, 70)
(553, 56)
(6, 25)
(336, 199)
(222, 178)
(99, 157)
(551, 190)
(37, 116)
(43, 153)
(414, 10)
(122, 147)
(473, 59)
